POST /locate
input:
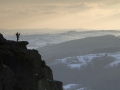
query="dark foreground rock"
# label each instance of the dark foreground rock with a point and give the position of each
(23, 69)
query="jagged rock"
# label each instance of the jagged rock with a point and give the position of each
(2, 39)
(29, 69)
(46, 84)
(20, 44)
(7, 79)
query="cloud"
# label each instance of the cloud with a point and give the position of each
(27, 12)
(48, 8)
(58, 1)
(54, 6)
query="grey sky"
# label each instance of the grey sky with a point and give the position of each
(90, 14)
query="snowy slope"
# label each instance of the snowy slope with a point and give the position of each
(73, 87)
(70, 86)
(78, 61)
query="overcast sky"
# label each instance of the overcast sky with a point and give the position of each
(88, 14)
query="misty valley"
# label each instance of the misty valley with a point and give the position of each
(86, 60)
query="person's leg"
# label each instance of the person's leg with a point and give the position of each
(17, 38)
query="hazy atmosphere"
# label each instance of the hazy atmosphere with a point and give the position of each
(59, 44)
(59, 14)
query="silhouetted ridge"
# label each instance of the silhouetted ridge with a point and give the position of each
(23, 69)
(2, 39)
(83, 46)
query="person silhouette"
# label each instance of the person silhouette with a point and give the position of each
(17, 35)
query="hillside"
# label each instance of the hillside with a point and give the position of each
(41, 39)
(91, 63)
(89, 72)
(98, 44)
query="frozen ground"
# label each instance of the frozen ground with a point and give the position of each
(71, 86)
(78, 61)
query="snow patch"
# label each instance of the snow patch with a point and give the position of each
(81, 88)
(74, 65)
(115, 63)
(69, 86)
(78, 61)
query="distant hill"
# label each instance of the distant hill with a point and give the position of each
(99, 72)
(98, 44)
(38, 39)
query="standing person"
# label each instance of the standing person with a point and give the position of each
(17, 35)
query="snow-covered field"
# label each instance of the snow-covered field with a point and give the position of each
(72, 87)
(78, 61)
(68, 86)
(39, 40)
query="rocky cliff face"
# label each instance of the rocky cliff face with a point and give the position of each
(23, 69)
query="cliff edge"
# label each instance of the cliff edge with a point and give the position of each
(23, 69)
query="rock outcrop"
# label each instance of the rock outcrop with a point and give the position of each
(23, 69)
